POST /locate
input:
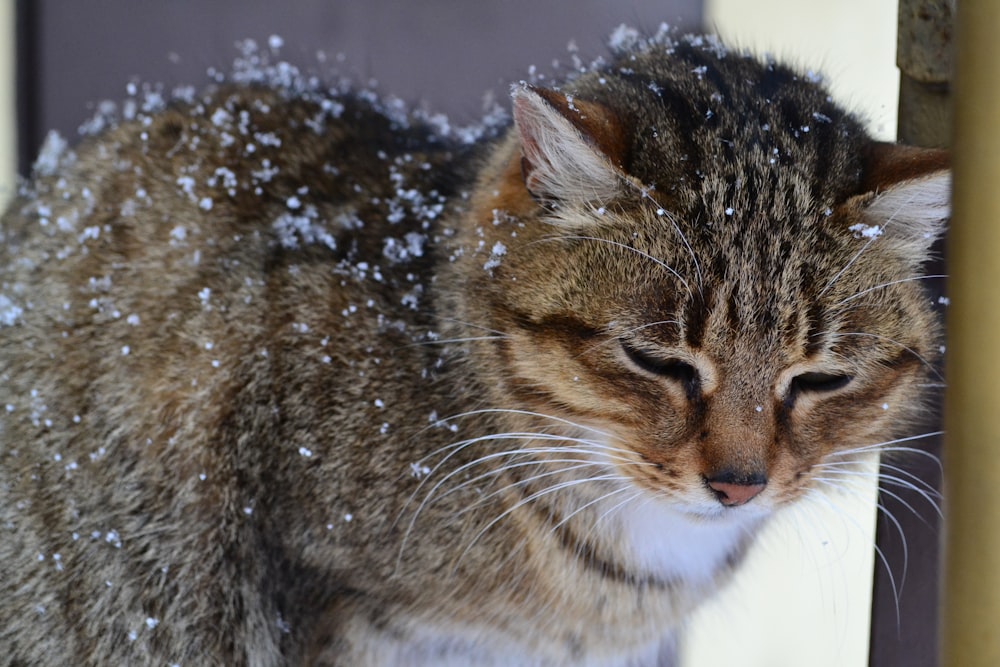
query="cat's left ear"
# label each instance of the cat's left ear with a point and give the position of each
(571, 149)
(909, 194)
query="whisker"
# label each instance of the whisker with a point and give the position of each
(446, 341)
(634, 496)
(526, 413)
(662, 212)
(889, 493)
(521, 482)
(882, 446)
(535, 496)
(865, 247)
(642, 254)
(883, 285)
(913, 479)
(613, 339)
(462, 444)
(589, 449)
(817, 496)
(586, 505)
(930, 495)
(929, 365)
(469, 324)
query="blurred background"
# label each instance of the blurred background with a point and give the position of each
(807, 599)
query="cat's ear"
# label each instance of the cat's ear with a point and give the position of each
(909, 195)
(570, 149)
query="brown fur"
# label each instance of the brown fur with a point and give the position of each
(235, 380)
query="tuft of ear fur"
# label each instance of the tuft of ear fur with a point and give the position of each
(571, 150)
(909, 195)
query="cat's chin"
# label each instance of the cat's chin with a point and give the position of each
(688, 541)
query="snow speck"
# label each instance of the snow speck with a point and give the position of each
(379, 403)
(125, 350)
(10, 313)
(944, 301)
(248, 511)
(348, 517)
(863, 231)
(624, 38)
(152, 622)
(396, 250)
(112, 538)
(885, 406)
(205, 203)
(275, 42)
(305, 451)
(293, 203)
(204, 295)
(221, 117)
(759, 408)
(52, 151)
(419, 470)
(729, 210)
(291, 229)
(496, 253)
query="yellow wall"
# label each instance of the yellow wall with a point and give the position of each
(851, 42)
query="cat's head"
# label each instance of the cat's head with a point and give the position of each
(708, 262)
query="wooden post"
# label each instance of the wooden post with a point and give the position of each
(971, 611)
(924, 58)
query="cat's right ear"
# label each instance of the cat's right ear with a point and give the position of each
(571, 150)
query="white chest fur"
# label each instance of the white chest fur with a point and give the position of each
(666, 543)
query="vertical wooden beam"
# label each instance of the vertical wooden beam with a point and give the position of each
(971, 612)
(924, 58)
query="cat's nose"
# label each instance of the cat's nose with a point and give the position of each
(732, 489)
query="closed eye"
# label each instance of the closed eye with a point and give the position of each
(674, 369)
(819, 383)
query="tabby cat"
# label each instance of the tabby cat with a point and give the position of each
(290, 376)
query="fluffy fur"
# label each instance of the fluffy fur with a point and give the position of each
(288, 379)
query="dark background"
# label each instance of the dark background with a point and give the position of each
(446, 54)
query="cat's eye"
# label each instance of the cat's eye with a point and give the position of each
(819, 383)
(675, 369)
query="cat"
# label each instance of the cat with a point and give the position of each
(291, 376)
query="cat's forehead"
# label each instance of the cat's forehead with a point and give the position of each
(706, 122)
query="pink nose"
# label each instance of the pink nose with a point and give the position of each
(731, 495)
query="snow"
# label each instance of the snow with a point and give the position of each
(293, 230)
(54, 148)
(861, 230)
(496, 253)
(10, 313)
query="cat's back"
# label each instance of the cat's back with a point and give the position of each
(168, 291)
